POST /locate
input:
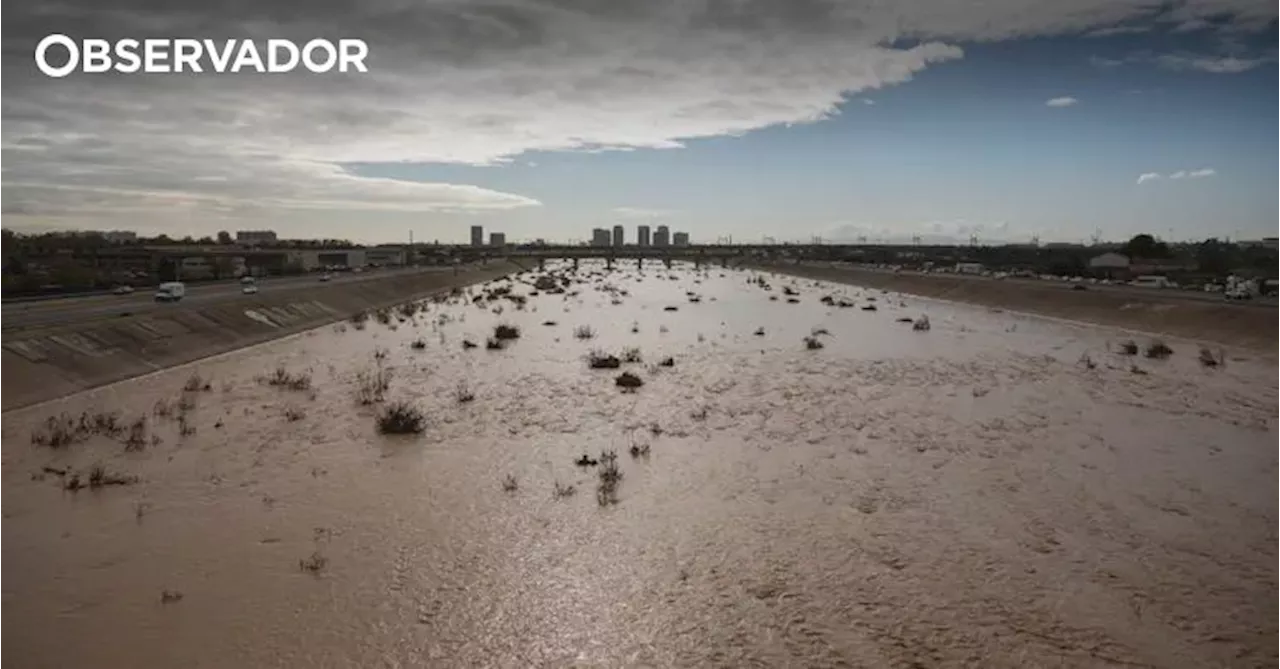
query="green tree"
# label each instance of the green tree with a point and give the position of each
(1146, 246)
(224, 238)
(1214, 257)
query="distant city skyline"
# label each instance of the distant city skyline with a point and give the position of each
(1007, 120)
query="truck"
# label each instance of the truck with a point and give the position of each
(1152, 281)
(170, 291)
(1240, 289)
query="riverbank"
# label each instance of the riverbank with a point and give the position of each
(1223, 323)
(53, 362)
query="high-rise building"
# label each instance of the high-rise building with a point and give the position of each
(477, 235)
(497, 239)
(642, 235)
(600, 237)
(662, 237)
(619, 235)
(680, 239)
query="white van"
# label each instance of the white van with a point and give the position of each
(170, 291)
(1151, 281)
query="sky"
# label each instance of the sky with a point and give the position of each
(883, 120)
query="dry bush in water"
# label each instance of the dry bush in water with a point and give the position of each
(57, 432)
(509, 484)
(137, 439)
(283, 378)
(372, 385)
(598, 359)
(1209, 359)
(609, 477)
(463, 393)
(418, 344)
(584, 332)
(561, 491)
(812, 343)
(631, 355)
(401, 418)
(493, 344)
(505, 331)
(1129, 347)
(1158, 350)
(195, 383)
(629, 381)
(313, 564)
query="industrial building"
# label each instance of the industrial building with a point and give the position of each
(619, 236)
(680, 239)
(600, 237)
(255, 237)
(662, 237)
(477, 235)
(498, 239)
(120, 236)
(642, 235)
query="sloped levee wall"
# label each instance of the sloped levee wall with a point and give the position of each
(58, 361)
(1218, 322)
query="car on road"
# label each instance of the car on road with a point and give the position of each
(171, 291)
(326, 276)
(249, 289)
(122, 290)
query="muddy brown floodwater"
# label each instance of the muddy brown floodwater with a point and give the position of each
(995, 491)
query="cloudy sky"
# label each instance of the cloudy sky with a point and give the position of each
(542, 118)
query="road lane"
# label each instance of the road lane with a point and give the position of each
(54, 312)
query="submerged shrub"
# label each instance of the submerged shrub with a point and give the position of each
(401, 418)
(505, 331)
(629, 380)
(601, 360)
(1158, 350)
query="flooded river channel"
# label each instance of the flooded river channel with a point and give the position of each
(801, 484)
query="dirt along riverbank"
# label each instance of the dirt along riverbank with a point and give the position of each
(1149, 311)
(663, 468)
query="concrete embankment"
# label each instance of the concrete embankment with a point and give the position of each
(40, 365)
(1224, 323)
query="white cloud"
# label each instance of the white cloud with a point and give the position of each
(868, 101)
(1066, 101)
(1184, 61)
(1211, 64)
(1118, 30)
(452, 82)
(1180, 174)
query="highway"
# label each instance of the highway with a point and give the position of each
(1137, 293)
(27, 315)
